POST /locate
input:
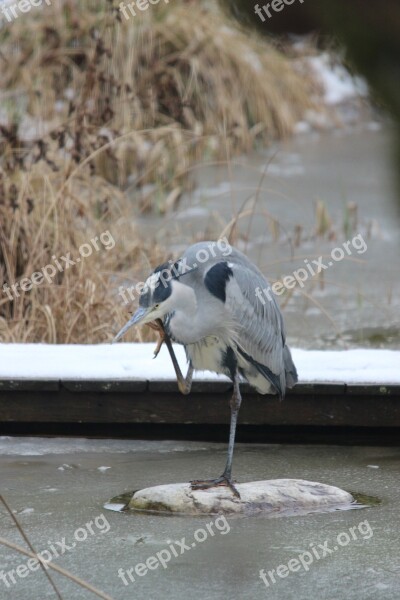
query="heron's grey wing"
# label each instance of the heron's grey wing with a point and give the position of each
(260, 329)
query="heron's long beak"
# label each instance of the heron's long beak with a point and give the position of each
(134, 320)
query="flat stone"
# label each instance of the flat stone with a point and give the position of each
(276, 496)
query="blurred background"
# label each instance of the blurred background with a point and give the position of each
(189, 121)
(149, 126)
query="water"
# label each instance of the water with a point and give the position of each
(357, 304)
(56, 487)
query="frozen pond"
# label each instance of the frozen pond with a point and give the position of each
(58, 486)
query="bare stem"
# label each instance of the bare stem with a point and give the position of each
(23, 534)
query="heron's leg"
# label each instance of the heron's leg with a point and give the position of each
(226, 477)
(236, 401)
(184, 383)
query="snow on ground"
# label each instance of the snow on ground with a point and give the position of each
(339, 85)
(135, 362)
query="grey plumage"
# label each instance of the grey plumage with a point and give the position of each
(231, 313)
(207, 301)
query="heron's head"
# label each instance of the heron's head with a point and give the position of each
(162, 293)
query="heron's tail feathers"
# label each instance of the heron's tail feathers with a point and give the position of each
(290, 369)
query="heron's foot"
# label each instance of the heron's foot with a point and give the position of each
(204, 484)
(184, 386)
(158, 347)
(160, 330)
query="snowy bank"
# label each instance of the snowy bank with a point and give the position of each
(134, 362)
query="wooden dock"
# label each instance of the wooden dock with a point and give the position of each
(331, 413)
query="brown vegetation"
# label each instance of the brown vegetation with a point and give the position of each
(91, 104)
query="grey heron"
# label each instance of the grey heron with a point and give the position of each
(209, 301)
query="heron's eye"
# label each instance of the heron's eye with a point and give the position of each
(155, 306)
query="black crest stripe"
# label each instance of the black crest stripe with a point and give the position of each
(217, 278)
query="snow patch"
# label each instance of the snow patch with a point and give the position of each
(134, 362)
(339, 85)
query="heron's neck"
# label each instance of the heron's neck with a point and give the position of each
(183, 323)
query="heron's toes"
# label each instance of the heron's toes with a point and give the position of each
(204, 484)
(158, 327)
(158, 347)
(184, 388)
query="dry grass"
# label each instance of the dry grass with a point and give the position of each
(91, 76)
(91, 103)
(36, 225)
